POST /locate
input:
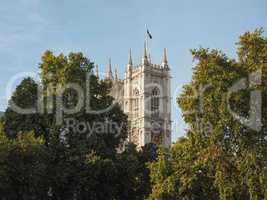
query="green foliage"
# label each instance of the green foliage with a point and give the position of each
(133, 174)
(220, 158)
(64, 163)
(25, 97)
(22, 169)
(57, 71)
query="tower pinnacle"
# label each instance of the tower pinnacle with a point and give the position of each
(145, 58)
(130, 61)
(109, 74)
(164, 62)
(149, 58)
(116, 74)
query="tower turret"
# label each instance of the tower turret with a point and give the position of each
(164, 62)
(149, 58)
(144, 57)
(129, 67)
(116, 74)
(147, 100)
(109, 74)
(130, 61)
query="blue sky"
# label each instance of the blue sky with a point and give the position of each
(102, 29)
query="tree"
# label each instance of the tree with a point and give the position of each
(67, 166)
(49, 156)
(81, 162)
(25, 97)
(22, 169)
(223, 156)
(133, 180)
(59, 71)
(178, 174)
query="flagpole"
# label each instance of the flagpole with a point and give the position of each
(146, 37)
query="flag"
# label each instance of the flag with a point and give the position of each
(148, 33)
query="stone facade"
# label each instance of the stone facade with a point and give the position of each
(145, 97)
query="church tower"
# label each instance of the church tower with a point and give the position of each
(147, 100)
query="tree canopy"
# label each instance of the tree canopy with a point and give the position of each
(223, 155)
(44, 158)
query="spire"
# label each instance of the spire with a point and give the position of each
(109, 74)
(144, 58)
(116, 74)
(96, 71)
(129, 67)
(145, 50)
(164, 62)
(130, 61)
(149, 58)
(109, 65)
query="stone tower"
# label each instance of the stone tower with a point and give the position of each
(147, 100)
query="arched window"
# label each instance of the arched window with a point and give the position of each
(155, 101)
(135, 102)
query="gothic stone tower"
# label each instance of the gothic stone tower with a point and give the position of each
(147, 101)
(144, 94)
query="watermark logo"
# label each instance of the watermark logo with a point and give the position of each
(95, 127)
(139, 99)
(254, 120)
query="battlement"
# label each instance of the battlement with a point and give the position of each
(158, 67)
